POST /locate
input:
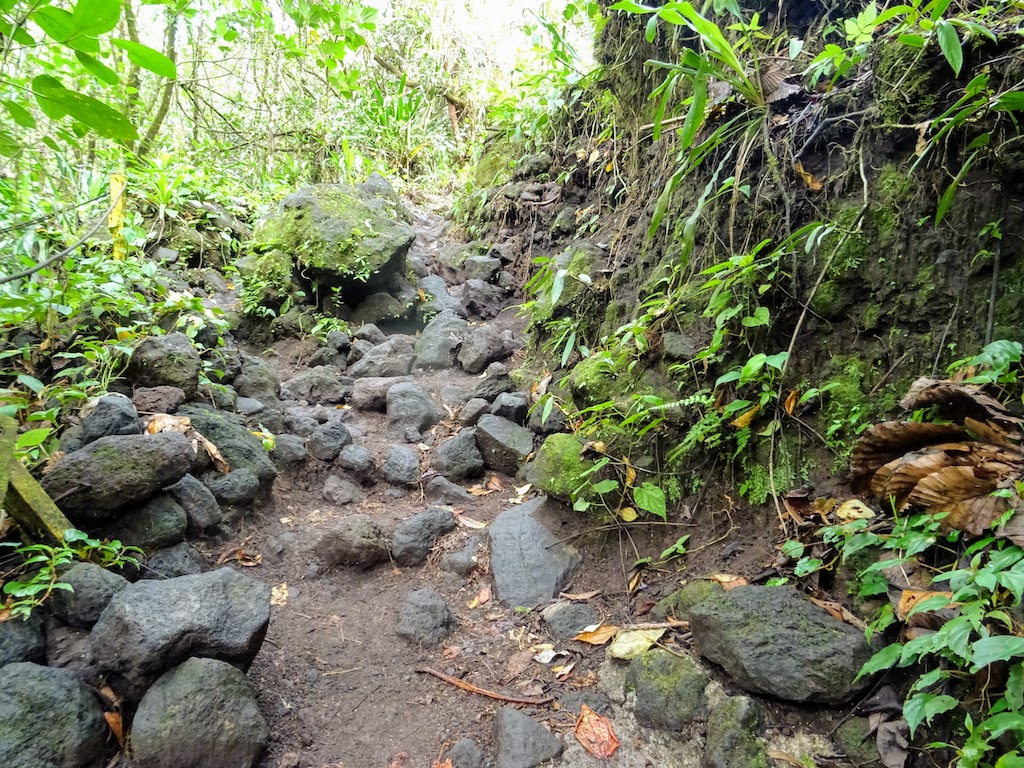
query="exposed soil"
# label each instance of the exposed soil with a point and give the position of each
(340, 688)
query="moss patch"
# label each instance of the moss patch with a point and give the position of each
(558, 466)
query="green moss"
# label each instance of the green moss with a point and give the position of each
(678, 604)
(559, 463)
(916, 97)
(495, 164)
(870, 317)
(829, 301)
(669, 689)
(732, 734)
(593, 380)
(894, 184)
(857, 741)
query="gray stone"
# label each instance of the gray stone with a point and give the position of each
(437, 345)
(370, 393)
(357, 460)
(438, 298)
(676, 346)
(669, 689)
(68, 648)
(249, 406)
(93, 586)
(503, 444)
(162, 399)
(732, 735)
(257, 379)
(289, 450)
(159, 522)
(300, 424)
(392, 358)
(207, 704)
(371, 333)
(22, 640)
(566, 620)
(414, 538)
(220, 396)
(155, 624)
(270, 420)
(522, 742)
(240, 448)
(857, 741)
(528, 564)
(410, 406)
(554, 423)
(355, 541)
(381, 308)
(170, 563)
(462, 561)
(481, 268)
(338, 341)
(444, 491)
(533, 165)
(466, 753)
(573, 701)
(480, 299)
(117, 471)
(51, 719)
(338, 490)
(417, 265)
(169, 360)
(401, 465)
(483, 347)
(111, 415)
(425, 618)
(512, 406)
(360, 348)
(564, 223)
(493, 384)
(328, 440)
(239, 486)
(200, 506)
(773, 640)
(458, 458)
(317, 385)
(471, 412)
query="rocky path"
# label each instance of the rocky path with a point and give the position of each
(385, 554)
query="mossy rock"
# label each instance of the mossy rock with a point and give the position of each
(732, 735)
(578, 259)
(558, 465)
(857, 743)
(669, 689)
(678, 604)
(350, 237)
(496, 162)
(593, 380)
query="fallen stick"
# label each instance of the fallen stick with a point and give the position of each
(483, 692)
(656, 625)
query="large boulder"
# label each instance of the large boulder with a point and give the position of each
(110, 415)
(240, 448)
(92, 589)
(458, 458)
(437, 345)
(159, 522)
(409, 406)
(169, 360)
(50, 719)
(321, 384)
(484, 346)
(208, 705)
(257, 379)
(503, 443)
(153, 625)
(113, 472)
(355, 541)
(774, 641)
(346, 237)
(528, 563)
(392, 358)
(558, 465)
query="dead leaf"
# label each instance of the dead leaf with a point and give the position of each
(911, 597)
(240, 556)
(965, 493)
(854, 509)
(563, 672)
(516, 665)
(813, 183)
(549, 656)
(958, 401)
(279, 594)
(630, 472)
(580, 595)
(595, 733)
(893, 744)
(634, 642)
(598, 634)
(839, 612)
(891, 440)
(446, 764)
(422, 294)
(785, 757)
(398, 760)
(482, 597)
(163, 422)
(478, 490)
(628, 514)
(116, 725)
(791, 400)
(495, 484)
(466, 521)
(745, 418)
(451, 652)
(728, 580)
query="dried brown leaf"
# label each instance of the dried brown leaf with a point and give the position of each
(728, 580)
(516, 665)
(597, 636)
(813, 183)
(116, 725)
(891, 440)
(791, 400)
(958, 401)
(893, 744)
(482, 598)
(595, 733)
(965, 494)
(839, 612)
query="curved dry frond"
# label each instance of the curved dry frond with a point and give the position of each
(965, 494)
(891, 440)
(958, 401)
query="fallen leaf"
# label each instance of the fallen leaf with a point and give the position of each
(279, 594)
(728, 580)
(598, 634)
(477, 490)
(448, 761)
(450, 652)
(791, 400)
(580, 595)
(786, 757)
(630, 472)
(495, 484)
(628, 514)
(468, 522)
(116, 725)
(482, 597)
(933, 618)
(890, 440)
(522, 490)
(595, 733)
(398, 760)
(813, 183)
(854, 509)
(634, 642)
(563, 672)
(240, 556)
(840, 612)
(957, 401)
(517, 664)
(893, 744)
(548, 656)
(745, 418)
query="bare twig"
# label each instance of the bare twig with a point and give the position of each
(536, 702)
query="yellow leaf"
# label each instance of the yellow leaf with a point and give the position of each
(598, 635)
(279, 594)
(791, 401)
(854, 509)
(813, 184)
(630, 644)
(608, 168)
(628, 514)
(630, 472)
(744, 419)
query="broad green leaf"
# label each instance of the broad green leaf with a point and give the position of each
(777, 360)
(650, 498)
(1015, 687)
(96, 17)
(629, 6)
(752, 367)
(557, 285)
(760, 317)
(924, 707)
(57, 23)
(989, 650)
(1012, 101)
(33, 437)
(605, 486)
(793, 549)
(949, 42)
(884, 659)
(20, 115)
(57, 101)
(147, 58)
(9, 146)
(83, 43)
(20, 35)
(31, 382)
(97, 68)
(1014, 760)
(695, 117)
